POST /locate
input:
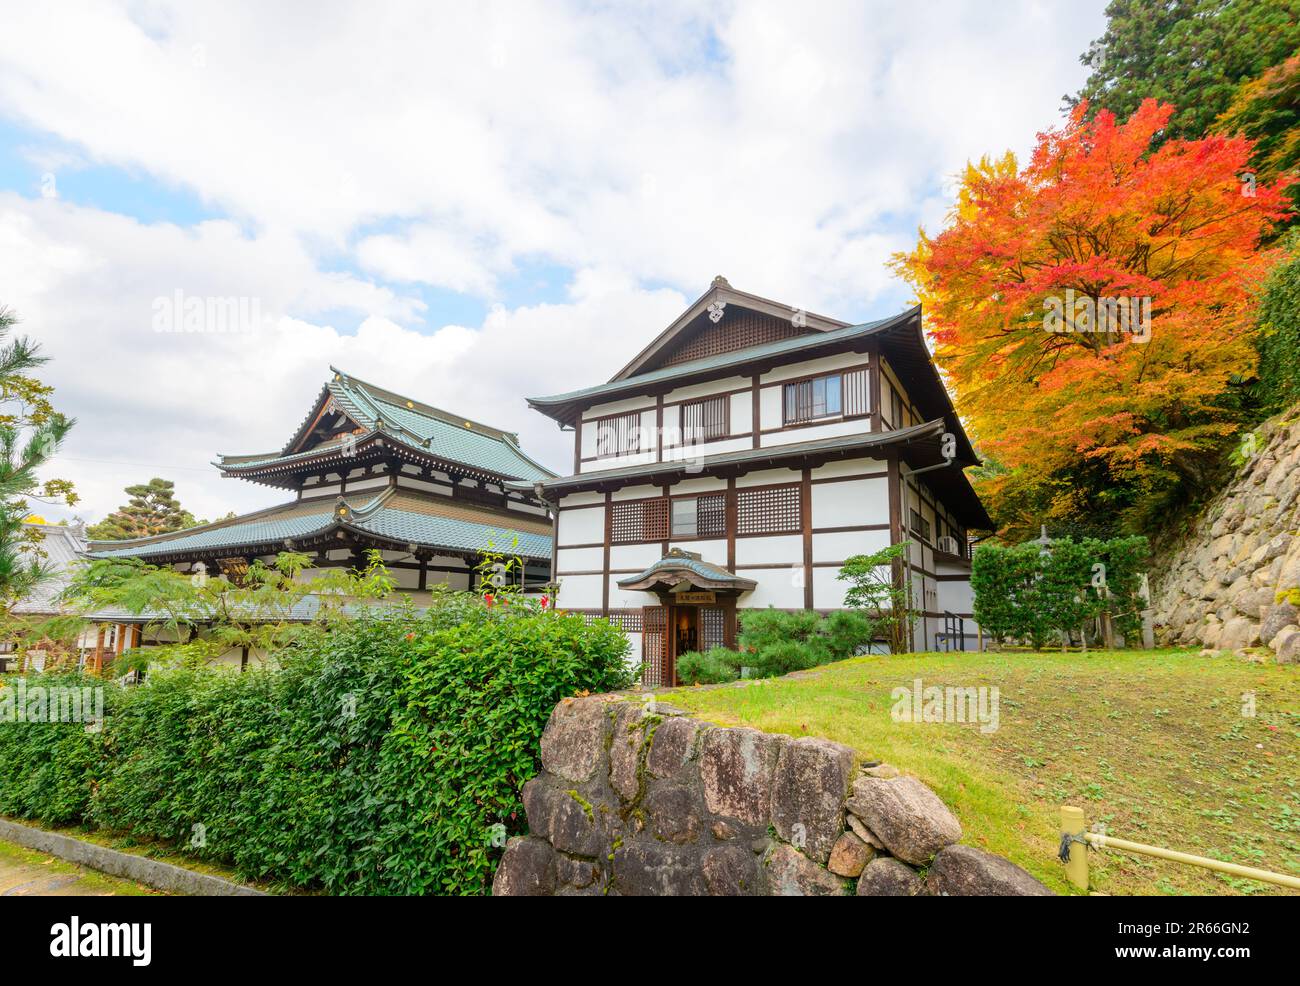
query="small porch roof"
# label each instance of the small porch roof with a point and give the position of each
(680, 566)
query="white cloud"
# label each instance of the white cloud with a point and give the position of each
(792, 147)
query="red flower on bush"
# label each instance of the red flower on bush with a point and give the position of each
(546, 601)
(487, 598)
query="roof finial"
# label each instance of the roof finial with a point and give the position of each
(721, 282)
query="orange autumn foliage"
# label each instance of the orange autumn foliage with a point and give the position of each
(1097, 215)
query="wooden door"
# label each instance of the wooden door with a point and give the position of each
(656, 669)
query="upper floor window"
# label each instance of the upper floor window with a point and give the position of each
(808, 400)
(699, 516)
(919, 525)
(705, 420)
(829, 396)
(618, 434)
(639, 520)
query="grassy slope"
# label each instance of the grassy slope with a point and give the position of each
(1152, 744)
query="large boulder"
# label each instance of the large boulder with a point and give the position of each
(808, 792)
(671, 811)
(564, 818)
(574, 738)
(527, 869)
(1239, 632)
(792, 874)
(645, 870)
(850, 856)
(964, 871)
(673, 745)
(886, 877)
(737, 767)
(625, 752)
(1288, 651)
(1281, 615)
(730, 871)
(905, 815)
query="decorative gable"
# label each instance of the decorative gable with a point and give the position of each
(736, 328)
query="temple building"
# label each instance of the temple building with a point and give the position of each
(371, 469)
(739, 460)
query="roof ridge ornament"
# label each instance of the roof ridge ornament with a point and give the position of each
(721, 282)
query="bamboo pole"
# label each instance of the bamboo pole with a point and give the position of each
(1076, 870)
(1233, 869)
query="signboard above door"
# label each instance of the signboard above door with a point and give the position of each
(695, 597)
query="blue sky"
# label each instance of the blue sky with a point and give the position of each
(467, 203)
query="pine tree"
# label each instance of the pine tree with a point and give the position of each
(31, 432)
(152, 509)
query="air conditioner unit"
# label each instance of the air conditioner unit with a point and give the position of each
(949, 544)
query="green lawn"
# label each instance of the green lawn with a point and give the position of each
(1153, 744)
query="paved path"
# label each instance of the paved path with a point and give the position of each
(24, 873)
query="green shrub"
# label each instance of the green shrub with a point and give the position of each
(775, 642)
(374, 760)
(713, 667)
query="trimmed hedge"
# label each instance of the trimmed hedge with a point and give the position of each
(375, 760)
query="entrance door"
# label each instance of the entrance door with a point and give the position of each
(656, 658)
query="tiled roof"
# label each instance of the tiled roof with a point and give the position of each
(402, 516)
(420, 426)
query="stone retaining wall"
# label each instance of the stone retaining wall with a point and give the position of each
(1235, 583)
(638, 800)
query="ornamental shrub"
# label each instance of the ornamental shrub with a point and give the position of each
(377, 758)
(713, 667)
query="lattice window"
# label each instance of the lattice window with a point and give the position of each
(808, 400)
(713, 628)
(629, 621)
(705, 420)
(700, 516)
(739, 329)
(857, 394)
(771, 510)
(639, 520)
(618, 434)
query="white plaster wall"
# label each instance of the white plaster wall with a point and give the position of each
(585, 525)
(579, 560)
(777, 549)
(628, 598)
(580, 592)
(813, 433)
(582, 500)
(714, 551)
(742, 414)
(696, 390)
(765, 477)
(828, 591)
(634, 556)
(777, 587)
(850, 503)
(839, 547)
(637, 492)
(824, 364)
(849, 467)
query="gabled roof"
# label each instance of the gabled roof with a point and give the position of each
(721, 292)
(402, 517)
(374, 411)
